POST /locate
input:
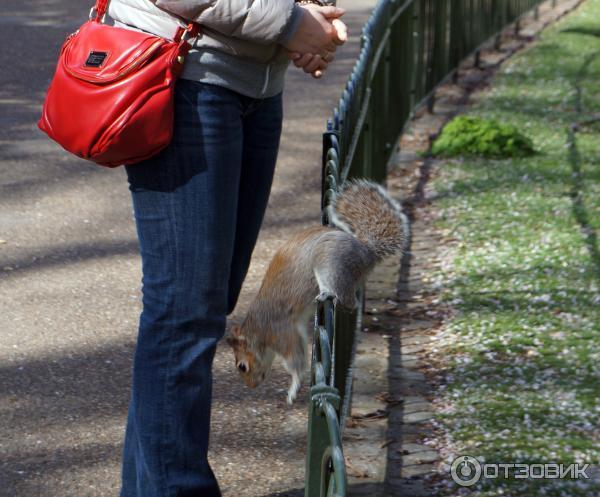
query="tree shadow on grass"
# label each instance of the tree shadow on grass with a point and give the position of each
(577, 179)
(583, 30)
(580, 211)
(566, 296)
(504, 177)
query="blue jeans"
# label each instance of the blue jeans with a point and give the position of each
(198, 208)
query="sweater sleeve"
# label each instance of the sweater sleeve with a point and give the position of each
(259, 21)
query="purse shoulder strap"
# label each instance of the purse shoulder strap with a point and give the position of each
(191, 31)
(101, 8)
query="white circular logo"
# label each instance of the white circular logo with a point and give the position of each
(465, 470)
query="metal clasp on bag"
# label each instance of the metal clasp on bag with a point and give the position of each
(182, 37)
(94, 15)
(191, 32)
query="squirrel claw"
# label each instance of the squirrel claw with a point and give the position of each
(323, 296)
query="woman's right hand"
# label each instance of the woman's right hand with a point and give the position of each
(315, 33)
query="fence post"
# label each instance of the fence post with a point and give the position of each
(497, 23)
(498, 42)
(417, 69)
(318, 440)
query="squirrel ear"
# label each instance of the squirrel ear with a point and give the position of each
(234, 337)
(236, 331)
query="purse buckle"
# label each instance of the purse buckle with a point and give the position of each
(192, 31)
(94, 15)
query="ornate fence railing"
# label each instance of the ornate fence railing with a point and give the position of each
(408, 47)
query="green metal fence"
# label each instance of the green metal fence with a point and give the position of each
(407, 49)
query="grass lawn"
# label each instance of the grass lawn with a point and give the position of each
(523, 343)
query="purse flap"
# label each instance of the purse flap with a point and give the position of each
(101, 54)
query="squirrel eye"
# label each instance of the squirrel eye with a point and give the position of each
(242, 367)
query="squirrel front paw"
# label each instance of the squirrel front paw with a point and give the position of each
(293, 390)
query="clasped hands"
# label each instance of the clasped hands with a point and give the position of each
(320, 32)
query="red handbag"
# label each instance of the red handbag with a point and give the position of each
(111, 98)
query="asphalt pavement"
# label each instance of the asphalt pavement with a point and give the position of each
(70, 277)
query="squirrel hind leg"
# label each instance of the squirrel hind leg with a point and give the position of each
(341, 274)
(324, 280)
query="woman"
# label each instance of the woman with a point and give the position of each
(198, 208)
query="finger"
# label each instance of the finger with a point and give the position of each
(330, 47)
(294, 55)
(303, 60)
(314, 64)
(341, 32)
(322, 67)
(331, 12)
(321, 70)
(328, 57)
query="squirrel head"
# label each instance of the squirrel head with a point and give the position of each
(252, 365)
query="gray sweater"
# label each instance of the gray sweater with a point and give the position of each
(240, 43)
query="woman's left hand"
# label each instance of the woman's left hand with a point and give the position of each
(311, 64)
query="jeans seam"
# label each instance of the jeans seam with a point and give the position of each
(167, 416)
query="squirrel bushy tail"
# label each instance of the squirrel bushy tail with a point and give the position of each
(364, 209)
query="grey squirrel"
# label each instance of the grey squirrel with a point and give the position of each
(318, 262)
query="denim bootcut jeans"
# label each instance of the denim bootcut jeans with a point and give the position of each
(198, 208)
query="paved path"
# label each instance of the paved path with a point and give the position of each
(69, 278)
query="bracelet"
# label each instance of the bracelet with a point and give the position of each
(308, 2)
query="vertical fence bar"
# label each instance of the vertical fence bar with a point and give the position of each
(344, 344)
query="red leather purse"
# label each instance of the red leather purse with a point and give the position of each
(111, 98)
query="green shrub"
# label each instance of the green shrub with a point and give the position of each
(469, 135)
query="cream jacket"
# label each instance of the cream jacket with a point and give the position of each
(239, 42)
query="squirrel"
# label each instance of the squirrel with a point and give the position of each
(322, 262)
